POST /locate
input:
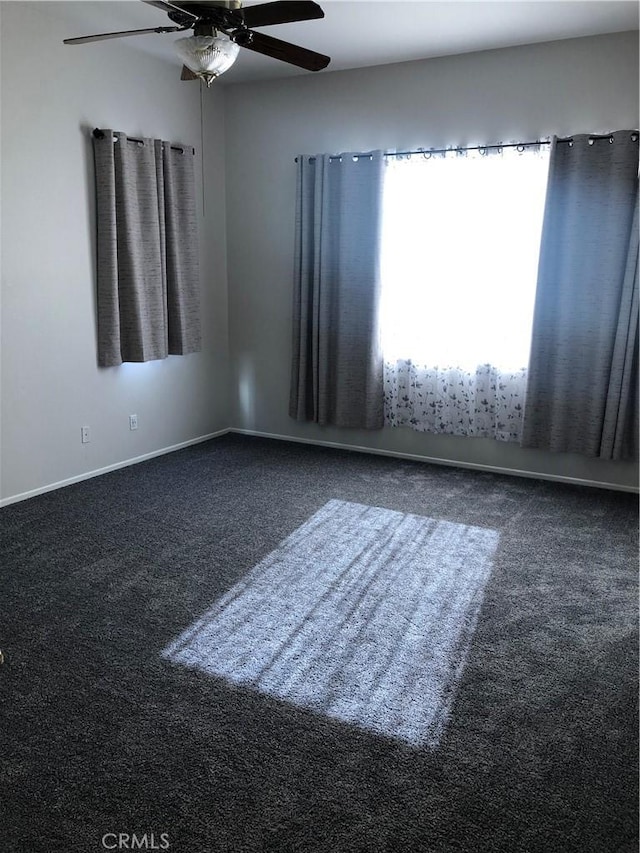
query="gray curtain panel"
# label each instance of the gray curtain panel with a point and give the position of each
(337, 370)
(583, 370)
(148, 266)
(621, 429)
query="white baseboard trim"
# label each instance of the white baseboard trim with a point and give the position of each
(116, 465)
(476, 466)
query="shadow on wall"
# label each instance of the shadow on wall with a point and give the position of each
(246, 392)
(90, 184)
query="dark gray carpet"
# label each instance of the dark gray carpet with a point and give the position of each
(102, 733)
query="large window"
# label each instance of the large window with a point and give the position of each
(461, 237)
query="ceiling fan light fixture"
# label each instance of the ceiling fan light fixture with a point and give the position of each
(208, 56)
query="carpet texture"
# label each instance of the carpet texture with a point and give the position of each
(363, 614)
(138, 609)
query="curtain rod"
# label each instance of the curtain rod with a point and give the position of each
(99, 134)
(426, 152)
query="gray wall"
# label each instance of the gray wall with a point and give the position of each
(50, 383)
(564, 87)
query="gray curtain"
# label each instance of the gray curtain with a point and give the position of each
(148, 266)
(337, 370)
(583, 371)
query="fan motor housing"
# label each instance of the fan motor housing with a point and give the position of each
(203, 28)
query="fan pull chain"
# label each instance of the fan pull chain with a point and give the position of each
(202, 146)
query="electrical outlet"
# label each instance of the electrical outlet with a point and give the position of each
(85, 433)
(133, 422)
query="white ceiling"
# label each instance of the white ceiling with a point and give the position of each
(360, 33)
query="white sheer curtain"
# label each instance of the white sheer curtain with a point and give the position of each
(460, 244)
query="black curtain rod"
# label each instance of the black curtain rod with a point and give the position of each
(427, 151)
(565, 139)
(99, 134)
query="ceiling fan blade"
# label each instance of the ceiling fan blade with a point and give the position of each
(187, 74)
(102, 36)
(281, 12)
(283, 50)
(169, 7)
(264, 15)
(213, 12)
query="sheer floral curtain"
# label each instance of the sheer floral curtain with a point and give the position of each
(460, 243)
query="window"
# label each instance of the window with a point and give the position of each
(460, 244)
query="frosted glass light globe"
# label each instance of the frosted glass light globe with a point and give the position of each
(207, 56)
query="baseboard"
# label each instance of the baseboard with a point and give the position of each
(476, 466)
(96, 473)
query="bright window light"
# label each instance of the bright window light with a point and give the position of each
(362, 614)
(461, 238)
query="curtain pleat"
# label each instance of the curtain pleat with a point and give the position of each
(621, 427)
(148, 275)
(336, 374)
(183, 265)
(581, 392)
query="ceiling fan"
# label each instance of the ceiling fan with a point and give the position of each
(221, 28)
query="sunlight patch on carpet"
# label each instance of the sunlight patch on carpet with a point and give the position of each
(362, 614)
